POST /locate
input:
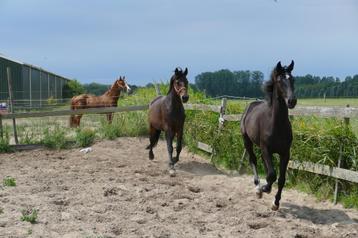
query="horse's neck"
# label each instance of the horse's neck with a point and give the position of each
(113, 92)
(174, 100)
(279, 109)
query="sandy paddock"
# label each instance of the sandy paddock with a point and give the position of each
(115, 191)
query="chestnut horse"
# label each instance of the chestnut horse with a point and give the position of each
(166, 113)
(108, 99)
(266, 124)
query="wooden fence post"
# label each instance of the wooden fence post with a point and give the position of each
(1, 128)
(346, 122)
(222, 113)
(221, 123)
(157, 89)
(337, 180)
(8, 71)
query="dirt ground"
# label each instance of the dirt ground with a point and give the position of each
(115, 191)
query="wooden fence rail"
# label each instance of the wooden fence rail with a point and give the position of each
(74, 112)
(335, 172)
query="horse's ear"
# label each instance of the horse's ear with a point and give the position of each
(279, 66)
(186, 71)
(290, 67)
(176, 71)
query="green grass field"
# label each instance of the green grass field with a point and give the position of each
(352, 102)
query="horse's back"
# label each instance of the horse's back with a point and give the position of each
(155, 100)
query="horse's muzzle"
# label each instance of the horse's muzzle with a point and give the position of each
(291, 103)
(185, 98)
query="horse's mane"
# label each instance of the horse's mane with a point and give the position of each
(110, 90)
(267, 87)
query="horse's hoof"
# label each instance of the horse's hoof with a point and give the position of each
(172, 172)
(265, 189)
(151, 155)
(274, 207)
(175, 160)
(258, 192)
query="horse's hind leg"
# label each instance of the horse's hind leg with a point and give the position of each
(109, 118)
(169, 136)
(253, 162)
(281, 180)
(77, 120)
(153, 138)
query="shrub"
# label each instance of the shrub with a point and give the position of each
(9, 181)
(55, 138)
(109, 131)
(85, 137)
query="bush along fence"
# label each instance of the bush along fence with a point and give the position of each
(211, 129)
(329, 112)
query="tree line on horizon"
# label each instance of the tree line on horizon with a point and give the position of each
(243, 83)
(249, 84)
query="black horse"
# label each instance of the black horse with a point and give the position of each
(166, 113)
(266, 124)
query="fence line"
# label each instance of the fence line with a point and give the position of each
(334, 172)
(74, 112)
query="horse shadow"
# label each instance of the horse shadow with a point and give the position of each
(198, 168)
(317, 216)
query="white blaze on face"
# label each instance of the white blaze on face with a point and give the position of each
(287, 76)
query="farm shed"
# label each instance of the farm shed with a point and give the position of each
(32, 86)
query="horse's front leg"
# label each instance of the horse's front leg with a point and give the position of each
(179, 145)
(169, 136)
(281, 180)
(271, 173)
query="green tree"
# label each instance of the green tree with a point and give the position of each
(72, 88)
(96, 88)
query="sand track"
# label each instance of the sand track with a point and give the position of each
(115, 191)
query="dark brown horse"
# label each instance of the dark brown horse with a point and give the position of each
(108, 99)
(166, 113)
(266, 124)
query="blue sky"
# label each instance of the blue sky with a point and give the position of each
(145, 40)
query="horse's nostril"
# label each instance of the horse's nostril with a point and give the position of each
(185, 98)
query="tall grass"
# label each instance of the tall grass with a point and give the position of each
(54, 138)
(5, 141)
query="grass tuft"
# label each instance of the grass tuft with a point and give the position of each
(9, 181)
(29, 215)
